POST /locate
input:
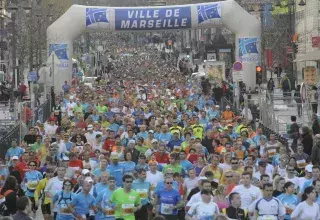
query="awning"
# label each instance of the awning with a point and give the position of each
(309, 56)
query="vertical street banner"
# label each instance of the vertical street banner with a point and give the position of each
(249, 49)
(153, 18)
(61, 51)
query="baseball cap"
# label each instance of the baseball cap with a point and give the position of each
(217, 106)
(65, 158)
(309, 168)
(154, 141)
(85, 171)
(90, 127)
(153, 162)
(227, 106)
(132, 142)
(151, 131)
(114, 156)
(15, 158)
(230, 125)
(88, 179)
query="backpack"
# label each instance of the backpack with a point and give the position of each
(61, 198)
(3, 206)
(316, 95)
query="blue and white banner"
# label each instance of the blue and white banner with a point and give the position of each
(61, 51)
(249, 49)
(153, 18)
(209, 14)
(97, 17)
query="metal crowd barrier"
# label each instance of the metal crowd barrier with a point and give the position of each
(5, 141)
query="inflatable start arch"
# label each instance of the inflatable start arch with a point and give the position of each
(78, 18)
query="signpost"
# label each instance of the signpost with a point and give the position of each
(237, 75)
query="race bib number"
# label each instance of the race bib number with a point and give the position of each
(166, 209)
(206, 217)
(110, 212)
(301, 163)
(32, 184)
(143, 193)
(65, 209)
(272, 152)
(267, 217)
(127, 209)
(289, 210)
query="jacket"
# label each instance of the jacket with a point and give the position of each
(315, 155)
(307, 143)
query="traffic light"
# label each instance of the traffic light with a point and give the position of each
(295, 48)
(258, 75)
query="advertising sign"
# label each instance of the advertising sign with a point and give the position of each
(153, 18)
(310, 75)
(215, 70)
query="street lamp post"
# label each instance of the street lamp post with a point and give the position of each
(13, 8)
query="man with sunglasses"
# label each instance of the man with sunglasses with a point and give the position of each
(168, 201)
(126, 200)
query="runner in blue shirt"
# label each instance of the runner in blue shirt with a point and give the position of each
(64, 200)
(31, 180)
(315, 176)
(115, 169)
(288, 199)
(84, 201)
(106, 211)
(100, 187)
(168, 200)
(14, 150)
(141, 186)
(128, 165)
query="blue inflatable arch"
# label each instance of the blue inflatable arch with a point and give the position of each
(228, 13)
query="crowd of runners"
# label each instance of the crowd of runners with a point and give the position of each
(145, 142)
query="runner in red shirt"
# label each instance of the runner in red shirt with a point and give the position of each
(22, 166)
(161, 156)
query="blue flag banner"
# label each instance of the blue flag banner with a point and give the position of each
(209, 13)
(96, 15)
(61, 51)
(249, 49)
(153, 18)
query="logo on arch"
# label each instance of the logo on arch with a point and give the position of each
(209, 12)
(97, 16)
(61, 50)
